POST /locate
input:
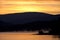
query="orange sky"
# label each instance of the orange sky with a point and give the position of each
(12, 6)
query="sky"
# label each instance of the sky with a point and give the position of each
(14, 6)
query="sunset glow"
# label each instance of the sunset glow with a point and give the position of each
(13, 6)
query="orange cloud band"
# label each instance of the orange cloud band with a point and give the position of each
(52, 7)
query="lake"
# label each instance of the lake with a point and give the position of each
(25, 36)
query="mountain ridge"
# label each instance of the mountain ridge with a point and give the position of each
(26, 17)
(25, 13)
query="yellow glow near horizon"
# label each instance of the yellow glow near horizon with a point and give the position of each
(13, 6)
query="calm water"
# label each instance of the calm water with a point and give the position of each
(25, 36)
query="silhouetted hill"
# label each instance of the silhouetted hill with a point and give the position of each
(29, 21)
(26, 17)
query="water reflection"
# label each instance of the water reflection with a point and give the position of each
(26, 36)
